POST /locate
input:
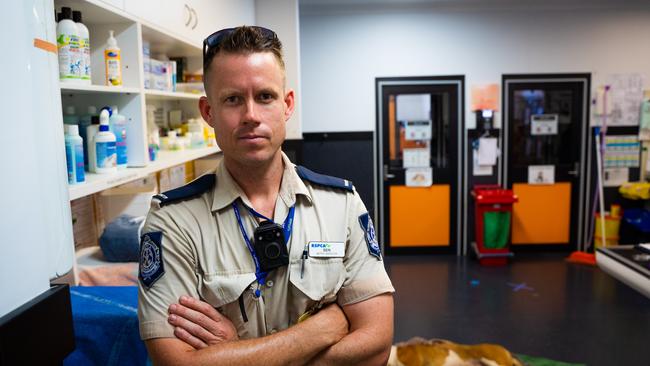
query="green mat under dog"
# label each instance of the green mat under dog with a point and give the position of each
(538, 361)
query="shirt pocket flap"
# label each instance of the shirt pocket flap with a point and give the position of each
(223, 289)
(320, 279)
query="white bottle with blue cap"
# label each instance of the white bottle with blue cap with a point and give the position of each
(105, 153)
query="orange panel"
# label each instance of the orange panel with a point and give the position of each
(419, 216)
(542, 215)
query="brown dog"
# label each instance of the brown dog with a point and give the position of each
(438, 352)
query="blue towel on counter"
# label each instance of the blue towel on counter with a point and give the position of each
(120, 241)
(106, 327)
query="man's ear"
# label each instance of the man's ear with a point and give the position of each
(206, 110)
(290, 104)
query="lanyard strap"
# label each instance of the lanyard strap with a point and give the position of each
(286, 227)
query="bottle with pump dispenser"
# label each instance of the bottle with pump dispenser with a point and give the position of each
(74, 154)
(113, 61)
(67, 41)
(105, 154)
(119, 128)
(84, 47)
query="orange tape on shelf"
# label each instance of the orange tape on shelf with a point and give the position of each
(45, 45)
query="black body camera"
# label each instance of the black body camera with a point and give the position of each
(270, 248)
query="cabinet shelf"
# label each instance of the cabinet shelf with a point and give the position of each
(98, 182)
(167, 95)
(68, 88)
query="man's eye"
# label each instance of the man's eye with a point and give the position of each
(266, 97)
(233, 99)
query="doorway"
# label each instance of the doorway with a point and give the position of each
(546, 146)
(418, 153)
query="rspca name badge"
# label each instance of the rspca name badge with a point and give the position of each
(370, 235)
(151, 263)
(326, 249)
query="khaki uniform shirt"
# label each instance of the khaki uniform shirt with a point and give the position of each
(204, 255)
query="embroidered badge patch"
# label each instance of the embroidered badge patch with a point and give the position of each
(151, 264)
(370, 235)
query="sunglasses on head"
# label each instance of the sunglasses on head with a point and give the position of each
(215, 39)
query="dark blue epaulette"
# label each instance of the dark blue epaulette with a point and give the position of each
(190, 190)
(324, 180)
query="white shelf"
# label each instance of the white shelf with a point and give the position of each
(167, 95)
(166, 159)
(70, 88)
(162, 42)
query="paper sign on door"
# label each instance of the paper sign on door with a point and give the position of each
(416, 158)
(541, 174)
(543, 124)
(419, 177)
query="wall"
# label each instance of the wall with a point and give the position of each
(343, 48)
(282, 17)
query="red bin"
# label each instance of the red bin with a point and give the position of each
(493, 221)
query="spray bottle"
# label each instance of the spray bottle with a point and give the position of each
(106, 156)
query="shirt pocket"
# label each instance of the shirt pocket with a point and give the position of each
(320, 279)
(221, 289)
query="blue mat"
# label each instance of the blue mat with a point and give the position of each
(106, 327)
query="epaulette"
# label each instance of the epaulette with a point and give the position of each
(191, 189)
(324, 180)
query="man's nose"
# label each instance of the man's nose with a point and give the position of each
(251, 113)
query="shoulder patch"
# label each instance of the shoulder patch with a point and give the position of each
(370, 235)
(192, 189)
(151, 263)
(323, 180)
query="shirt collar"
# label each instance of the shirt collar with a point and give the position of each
(226, 189)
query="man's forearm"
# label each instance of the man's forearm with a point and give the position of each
(358, 347)
(292, 346)
(370, 337)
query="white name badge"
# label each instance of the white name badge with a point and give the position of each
(326, 249)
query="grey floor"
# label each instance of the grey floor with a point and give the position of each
(538, 305)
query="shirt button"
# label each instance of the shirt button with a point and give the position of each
(269, 283)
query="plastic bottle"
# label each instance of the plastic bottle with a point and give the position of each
(84, 47)
(70, 118)
(106, 157)
(74, 154)
(67, 41)
(113, 62)
(196, 129)
(91, 132)
(84, 122)
(118, 127)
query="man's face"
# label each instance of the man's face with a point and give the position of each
(247, 106)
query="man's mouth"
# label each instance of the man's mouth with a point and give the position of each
(250, 136)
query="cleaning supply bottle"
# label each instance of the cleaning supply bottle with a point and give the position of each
(67, 41)
(106, 157)
(84, 47)
(70, 118)
(91, 131)
(84, 122)
(118, 127)
(113, 61)
(74, 154)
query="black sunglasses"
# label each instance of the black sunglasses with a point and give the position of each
(217, 37)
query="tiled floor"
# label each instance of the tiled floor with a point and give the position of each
(538, 305)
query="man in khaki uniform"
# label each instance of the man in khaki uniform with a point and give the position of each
(330, 302)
